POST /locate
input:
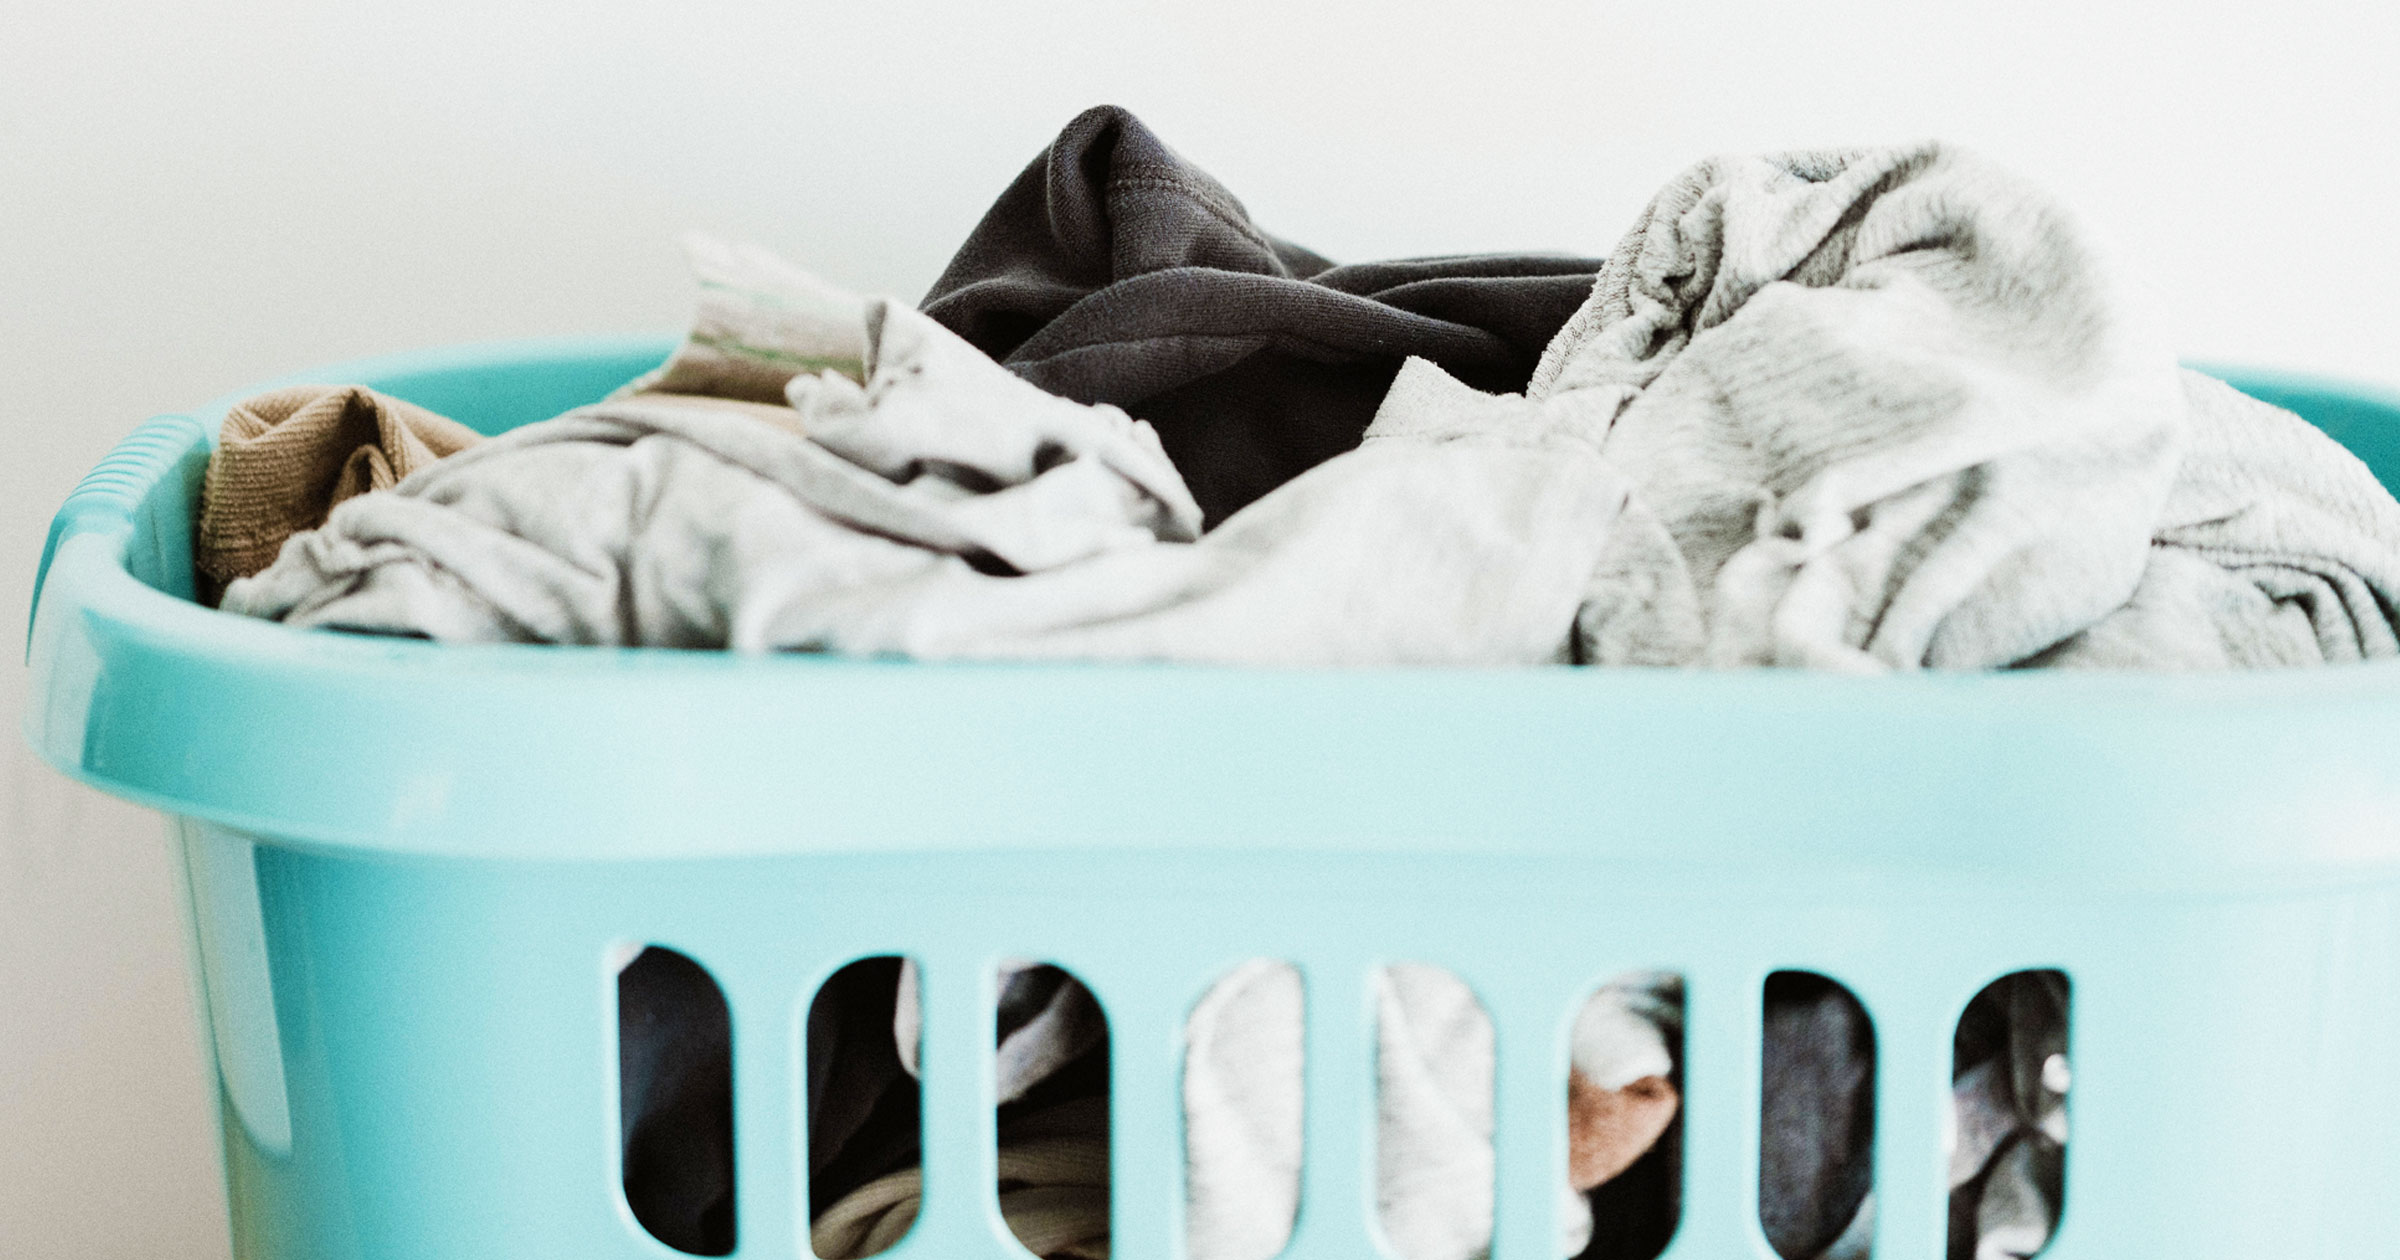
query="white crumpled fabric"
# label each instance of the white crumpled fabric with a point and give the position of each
(1870, 410)
(944, 508)
(1434, 1072)
(1891, 409)
(1888, 406)
(672, 521)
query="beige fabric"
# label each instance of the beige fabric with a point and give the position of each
(760, 322)
(1621, 1095)
(1608, 1129)
(1053, 1192)
(777, 414)
(284, 458)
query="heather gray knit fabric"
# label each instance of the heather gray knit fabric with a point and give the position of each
(1894, 413)
(678, 522)
(948, 509)
(1874, 410)
(2277, 547)
(1888, 404)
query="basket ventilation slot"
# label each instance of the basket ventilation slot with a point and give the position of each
(675, 1101)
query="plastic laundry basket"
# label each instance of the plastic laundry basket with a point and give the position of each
(411, 865)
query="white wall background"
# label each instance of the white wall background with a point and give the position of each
(194, 195)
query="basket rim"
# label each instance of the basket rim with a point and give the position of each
(413, 746)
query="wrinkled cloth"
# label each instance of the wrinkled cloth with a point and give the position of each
(649, 520)
(675, 1101)
(1893, 412)
(285, 458)
(1046, 1020)
(1243, 1054)
(1887, 404)
(2006, 1139)
(2276, 547)
(1622, 1091)
(1051, 1082)
(947, 509)
(1871, 411)
(759, 322)
(2008, 1133)
(1435, 1064)
(1434, 1075)
(1053, 1190)
(1689, 479)
(1242, 1097)
(1862, 411)
(1114, 271)
(1816, 1113)
(864, 1107)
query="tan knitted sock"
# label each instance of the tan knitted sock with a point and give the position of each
(284, 458)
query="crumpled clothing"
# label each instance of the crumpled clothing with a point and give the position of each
(1622, 1094)
(1243, 1054)
(653, 520)
(1434, 1073)
(285, 458)
(1053, 1190)
(1817, 1114)
(947, 509)
(2277, 547)
(863, 1104)
(1243, 1112)
(1030, 481)
(1887, 405)
(1868, 411)
(1114, 271)
(2008, 1134)
(759, 322)
(675, 1101)
(1435, 1063)
(2006, 1139)
(1892, 412)
(1046, 1020)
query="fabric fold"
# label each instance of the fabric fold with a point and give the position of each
(1113, 270)
(286, 458)
(759, 322)
(2276, 548)
(648, 519)
(1889, 405)
(1053, 1189)
(942, 507)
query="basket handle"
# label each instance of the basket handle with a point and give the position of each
(108, 496)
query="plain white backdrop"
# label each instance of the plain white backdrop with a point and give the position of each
(198, 195)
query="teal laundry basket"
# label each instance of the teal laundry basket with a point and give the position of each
(413, 868)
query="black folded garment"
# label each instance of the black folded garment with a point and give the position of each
(1817, 1113)
(675, 1104)
(1113, 271)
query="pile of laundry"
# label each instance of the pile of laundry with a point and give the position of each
(1871, 410)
